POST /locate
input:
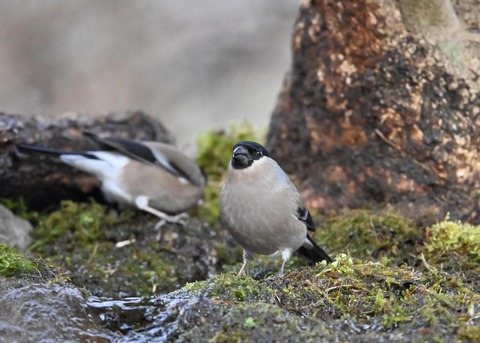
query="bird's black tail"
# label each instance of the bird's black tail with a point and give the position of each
(26, 148)
(314, 252)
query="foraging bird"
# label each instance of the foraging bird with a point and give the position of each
(152, 176)
(263, 209)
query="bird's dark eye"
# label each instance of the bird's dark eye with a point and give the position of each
(259, 154)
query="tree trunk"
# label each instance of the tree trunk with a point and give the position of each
(372, 114)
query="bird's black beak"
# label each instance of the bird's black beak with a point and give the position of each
(240, 157)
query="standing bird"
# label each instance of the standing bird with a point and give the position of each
(263, 209)
(152, 176)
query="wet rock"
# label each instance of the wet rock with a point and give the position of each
(14, 231)
(184, 317)
(48, 312)
(39, 304)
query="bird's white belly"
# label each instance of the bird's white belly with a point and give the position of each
(113, 191)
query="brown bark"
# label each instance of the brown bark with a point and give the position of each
(43, 181)
(370, 114)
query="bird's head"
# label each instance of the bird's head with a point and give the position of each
(246, 153)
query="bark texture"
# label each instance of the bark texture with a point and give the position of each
(43, 181)
(372, 114)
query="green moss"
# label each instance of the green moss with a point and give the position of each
(231, 287)
(347, 298)
(363, 292)
(152, 271)
(376, 295)
(13, 263)
(252, 322)
(229, 337)
(249, 322)
(74, 225)
(214, 150)
(363, 234)
(469, 333)
(447, 239)
(81, 237)
(381, 281)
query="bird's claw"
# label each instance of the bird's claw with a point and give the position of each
(178, 219)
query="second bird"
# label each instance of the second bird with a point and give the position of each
(154, 177)
(263, 209)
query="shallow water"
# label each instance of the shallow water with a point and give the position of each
(53, 313)
(141, 319)
(59, 313)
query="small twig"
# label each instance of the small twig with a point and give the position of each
(386, 140)
(121, 244)
(424, 262)
(345, 286)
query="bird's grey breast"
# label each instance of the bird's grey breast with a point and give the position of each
(258, 207)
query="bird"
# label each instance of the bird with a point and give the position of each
(154, 177)
(263, 210)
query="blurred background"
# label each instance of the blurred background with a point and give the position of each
(195, 65)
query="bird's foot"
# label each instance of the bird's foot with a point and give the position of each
(178, 219)
(281, 273)
(246, 257)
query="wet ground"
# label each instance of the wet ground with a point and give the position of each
(394, 285)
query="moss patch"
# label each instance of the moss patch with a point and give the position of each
(252, 322)
(230, 287)
(372, 298)
(392, 277)
(368, 235)
(121, 253)
(13, 263)
(73, 226)
(449, 241)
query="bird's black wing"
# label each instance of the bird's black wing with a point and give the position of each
(310, 250)
(136, 151)
(304, 216)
